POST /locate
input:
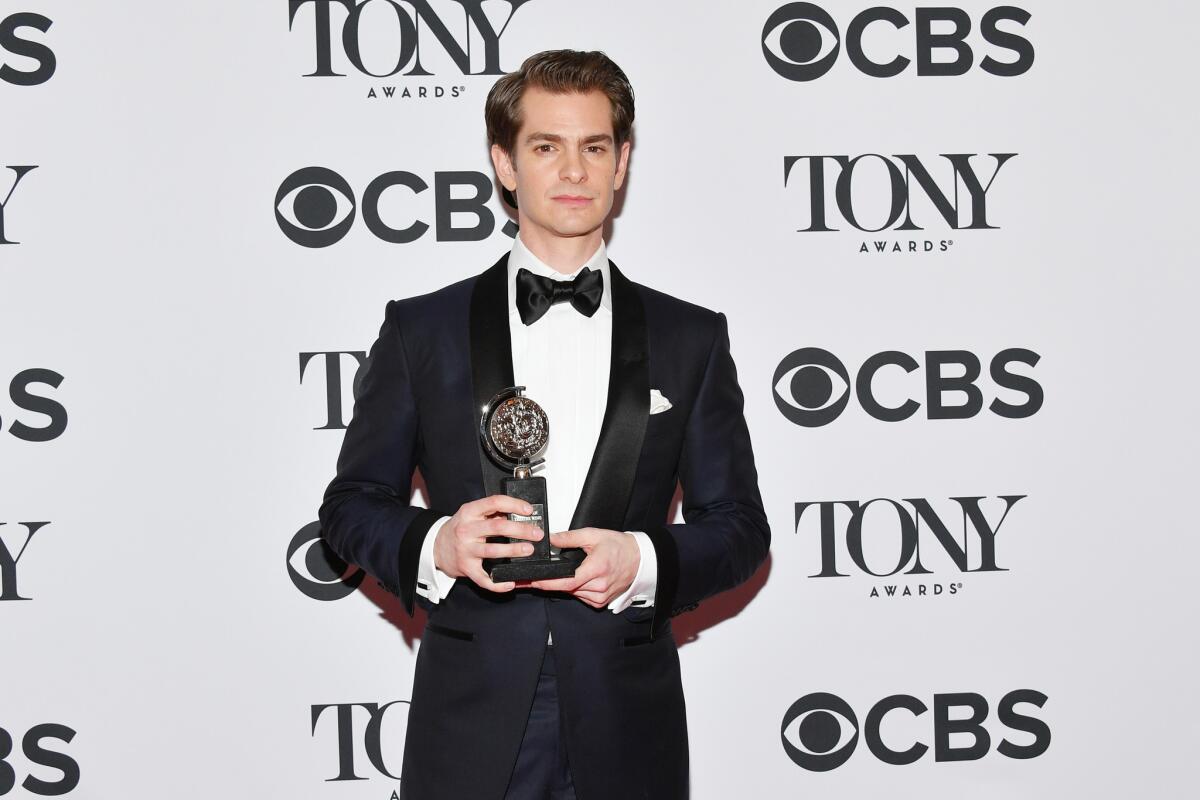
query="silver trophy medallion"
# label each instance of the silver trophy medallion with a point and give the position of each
(515, 429)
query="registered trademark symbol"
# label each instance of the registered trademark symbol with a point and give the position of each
(462, 89)
(949, 242)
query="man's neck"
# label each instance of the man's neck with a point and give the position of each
(564, 254)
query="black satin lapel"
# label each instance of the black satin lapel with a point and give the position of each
(491, 355)
(609, 483)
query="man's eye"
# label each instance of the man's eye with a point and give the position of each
(543, 148)
(596, 148)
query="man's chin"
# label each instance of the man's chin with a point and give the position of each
(571, 228)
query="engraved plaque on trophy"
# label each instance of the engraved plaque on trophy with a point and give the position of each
(515, 431)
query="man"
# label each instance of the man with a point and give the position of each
(568, 687)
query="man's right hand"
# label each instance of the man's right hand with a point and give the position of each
(461, 543)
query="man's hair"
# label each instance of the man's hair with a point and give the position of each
(561, 72)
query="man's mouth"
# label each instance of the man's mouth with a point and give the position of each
(571, 199)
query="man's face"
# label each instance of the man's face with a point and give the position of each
(565, 166)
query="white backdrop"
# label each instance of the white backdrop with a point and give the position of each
(149, 273)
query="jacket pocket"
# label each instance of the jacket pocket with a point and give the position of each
(452, 633)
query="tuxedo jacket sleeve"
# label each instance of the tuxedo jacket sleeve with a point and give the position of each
(365, 513)
(725, 536)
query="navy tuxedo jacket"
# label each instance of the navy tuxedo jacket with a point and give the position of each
(438, 360)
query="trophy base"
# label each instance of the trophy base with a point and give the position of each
(532, 569)
(546, 561)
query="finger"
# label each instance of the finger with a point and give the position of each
(499, 526)
(588, 569)
(583, 573)
(499, 504)
(583, 537)
(598, 584)
(597, 599)
(480, 530)
(481, 579)
(556, 584)
(498, 550)
(593, 600)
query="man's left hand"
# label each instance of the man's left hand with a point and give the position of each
(612, 562)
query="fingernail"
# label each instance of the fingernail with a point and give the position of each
(528, 508)
(528, 549)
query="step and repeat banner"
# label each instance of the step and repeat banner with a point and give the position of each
(953, 245)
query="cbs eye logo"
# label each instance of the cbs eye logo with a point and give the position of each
(819, 732)
(806, 387)
(315, 207)
(800, 41)
(316, 570)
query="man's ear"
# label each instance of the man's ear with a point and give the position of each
(622, 164)
(505, 170)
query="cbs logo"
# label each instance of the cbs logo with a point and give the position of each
(315, 207)
(820, 731)
(812, 387)
(801, 41)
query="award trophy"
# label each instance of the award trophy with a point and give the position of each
(514, 430)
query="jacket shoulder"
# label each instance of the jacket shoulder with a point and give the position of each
(692, 317)
(431, 309)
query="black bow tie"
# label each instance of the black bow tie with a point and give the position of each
(536, 293)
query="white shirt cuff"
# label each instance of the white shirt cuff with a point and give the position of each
(432, 583)
(640, 593)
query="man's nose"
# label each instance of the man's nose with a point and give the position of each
(572, 167)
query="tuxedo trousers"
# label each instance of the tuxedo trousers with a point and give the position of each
(542, 770)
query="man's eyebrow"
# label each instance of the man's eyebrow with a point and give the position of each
(554, 137)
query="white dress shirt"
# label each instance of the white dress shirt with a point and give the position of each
(563, 362)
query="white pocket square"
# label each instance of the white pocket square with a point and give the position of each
(658, 403)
